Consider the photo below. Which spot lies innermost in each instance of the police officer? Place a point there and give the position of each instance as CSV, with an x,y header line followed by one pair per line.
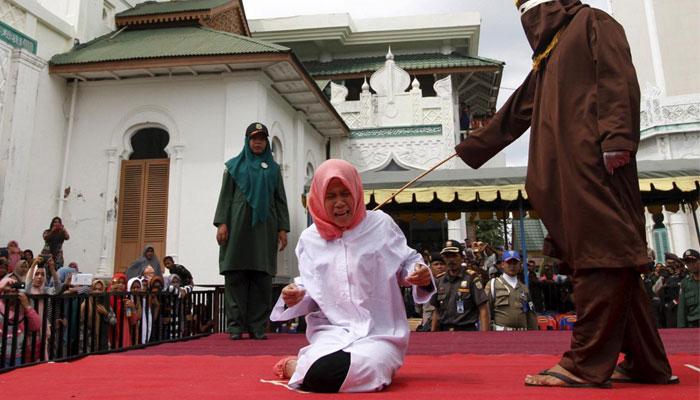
x,y
689,302
509,298
460,301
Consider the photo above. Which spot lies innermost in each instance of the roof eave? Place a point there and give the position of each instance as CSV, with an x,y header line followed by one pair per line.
x,y
339,128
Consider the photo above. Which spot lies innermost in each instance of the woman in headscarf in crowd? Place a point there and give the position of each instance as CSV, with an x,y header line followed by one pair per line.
x,y
36,285
124,310
100,317
151,330
14,255
21,270
54,238
352,264
15,323
137,295
148,257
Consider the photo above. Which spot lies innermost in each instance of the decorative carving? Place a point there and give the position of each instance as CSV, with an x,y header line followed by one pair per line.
x,y
657,110
338,93
12,15
390,80
5,56
443,87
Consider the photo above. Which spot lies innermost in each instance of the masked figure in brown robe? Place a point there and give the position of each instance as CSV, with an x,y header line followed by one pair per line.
x,y
581,101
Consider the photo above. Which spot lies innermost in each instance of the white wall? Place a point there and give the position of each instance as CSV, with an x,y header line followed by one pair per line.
x,y
206,118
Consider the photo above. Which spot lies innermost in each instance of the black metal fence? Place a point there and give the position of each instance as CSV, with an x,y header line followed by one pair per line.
x,y
64,327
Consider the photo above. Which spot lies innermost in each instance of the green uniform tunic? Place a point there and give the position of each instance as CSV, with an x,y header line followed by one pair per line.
x,y
689,303
252,248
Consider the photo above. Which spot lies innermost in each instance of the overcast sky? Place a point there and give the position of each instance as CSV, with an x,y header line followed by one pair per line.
x,y
502,37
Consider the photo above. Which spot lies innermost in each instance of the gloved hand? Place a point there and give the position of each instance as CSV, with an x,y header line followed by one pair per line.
x,y
615,159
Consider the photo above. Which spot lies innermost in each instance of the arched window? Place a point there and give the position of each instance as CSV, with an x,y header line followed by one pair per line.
x,y
149,143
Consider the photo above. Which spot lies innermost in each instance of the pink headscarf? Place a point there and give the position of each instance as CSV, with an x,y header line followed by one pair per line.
x,y
348,175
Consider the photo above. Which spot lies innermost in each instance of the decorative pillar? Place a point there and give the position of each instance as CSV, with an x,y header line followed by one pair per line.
x,y
174,201
106,264
679,232
19,85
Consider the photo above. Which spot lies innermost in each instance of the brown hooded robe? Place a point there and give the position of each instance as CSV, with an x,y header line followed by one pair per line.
x,y
581,101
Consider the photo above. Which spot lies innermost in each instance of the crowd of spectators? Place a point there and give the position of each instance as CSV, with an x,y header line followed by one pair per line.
x,y
673,288
49,309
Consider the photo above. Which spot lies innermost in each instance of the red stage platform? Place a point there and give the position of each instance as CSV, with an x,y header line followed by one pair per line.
x,y
445,365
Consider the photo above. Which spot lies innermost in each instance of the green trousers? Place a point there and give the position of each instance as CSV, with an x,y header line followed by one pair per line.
x,y
247,300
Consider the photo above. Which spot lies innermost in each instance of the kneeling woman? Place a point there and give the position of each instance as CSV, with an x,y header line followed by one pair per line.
x,y
351,263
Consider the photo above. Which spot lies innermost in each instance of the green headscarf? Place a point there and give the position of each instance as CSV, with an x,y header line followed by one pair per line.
x,y
258,184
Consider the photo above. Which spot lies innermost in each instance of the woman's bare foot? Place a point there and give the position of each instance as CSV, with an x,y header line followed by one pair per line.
x,y
284,369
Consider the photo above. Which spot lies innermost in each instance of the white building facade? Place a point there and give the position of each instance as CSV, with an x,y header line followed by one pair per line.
x,y
663,36
70,118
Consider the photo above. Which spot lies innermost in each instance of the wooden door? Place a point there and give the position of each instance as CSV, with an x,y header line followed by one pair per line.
x,y
142,210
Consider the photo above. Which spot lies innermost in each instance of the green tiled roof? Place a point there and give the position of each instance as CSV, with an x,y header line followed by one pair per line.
x,y
154,7
405,61
535,233
164,42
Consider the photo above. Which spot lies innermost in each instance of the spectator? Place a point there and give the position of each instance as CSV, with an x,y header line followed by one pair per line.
x,y
3,267
148,258
494,273
437,265
177,269
124,310
28,255
54,238
21,270
670,291
14,255
689,303
154,305
489,257
509,298
148,273
135,286
100,317
15,322
460,301
64,271
465,117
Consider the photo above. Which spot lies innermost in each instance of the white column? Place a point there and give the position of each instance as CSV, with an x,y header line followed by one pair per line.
x,y
175,201
655,46
109,228
19,83
457,230
679,229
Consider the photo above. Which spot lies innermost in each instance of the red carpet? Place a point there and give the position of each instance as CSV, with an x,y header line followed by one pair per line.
x,y
209,369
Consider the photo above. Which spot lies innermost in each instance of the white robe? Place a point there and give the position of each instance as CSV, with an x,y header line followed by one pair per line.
x,y
353,301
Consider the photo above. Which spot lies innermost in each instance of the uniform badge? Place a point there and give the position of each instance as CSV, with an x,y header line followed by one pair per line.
x,y
463,284
264,165
258,126
478,285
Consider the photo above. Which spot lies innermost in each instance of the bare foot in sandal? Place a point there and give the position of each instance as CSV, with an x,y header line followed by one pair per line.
x,y
559,377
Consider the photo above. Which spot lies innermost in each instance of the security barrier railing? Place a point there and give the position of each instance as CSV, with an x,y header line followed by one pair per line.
x,y
68,326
